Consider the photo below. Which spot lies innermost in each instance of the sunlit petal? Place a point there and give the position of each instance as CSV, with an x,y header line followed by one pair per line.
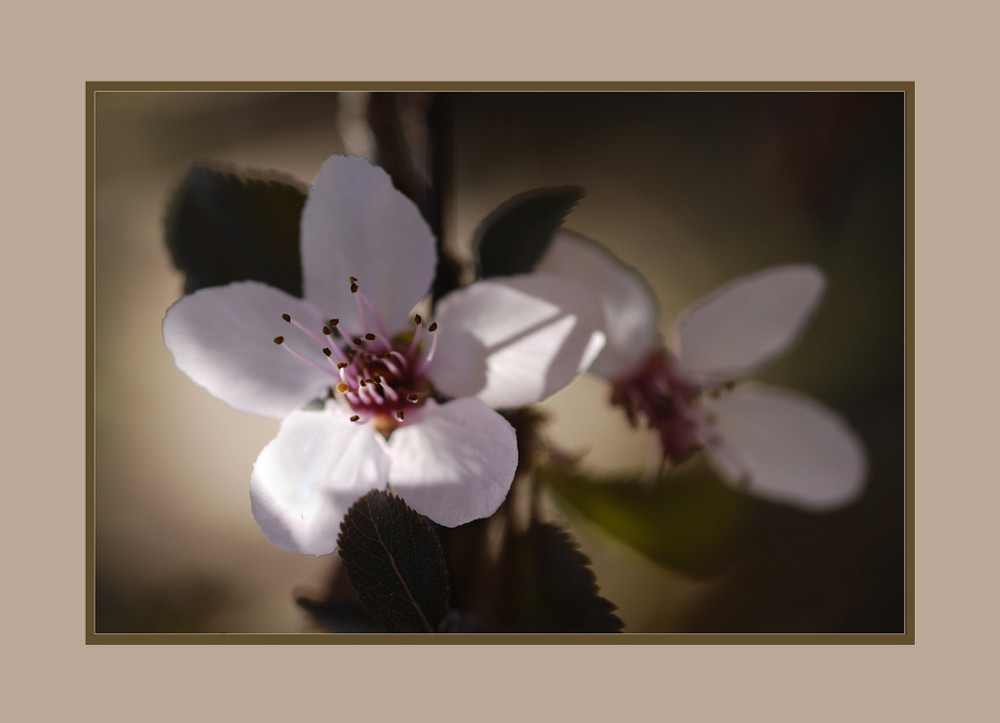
x,y
223,338
453,462
305,479
534,333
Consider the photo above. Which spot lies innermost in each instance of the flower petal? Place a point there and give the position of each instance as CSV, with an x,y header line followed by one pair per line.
x,y
630,310
516,340
222,337
308,476
748,321
454,462
355,223
786,447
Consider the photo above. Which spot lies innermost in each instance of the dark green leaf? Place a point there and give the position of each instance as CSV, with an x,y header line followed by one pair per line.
x,y
395,563
513,237
225,226
541,583
688,520
553,588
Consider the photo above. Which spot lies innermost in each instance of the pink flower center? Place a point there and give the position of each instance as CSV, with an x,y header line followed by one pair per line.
x,y
378,376
669,402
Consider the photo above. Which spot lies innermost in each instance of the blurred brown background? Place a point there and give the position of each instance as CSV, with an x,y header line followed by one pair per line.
x,y
693,188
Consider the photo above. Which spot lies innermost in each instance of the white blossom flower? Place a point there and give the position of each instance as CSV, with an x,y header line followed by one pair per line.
x,y
368,258
772,442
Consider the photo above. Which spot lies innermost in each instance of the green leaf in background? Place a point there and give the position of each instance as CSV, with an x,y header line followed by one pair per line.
x,y
395,563
513,237
223,226
687,520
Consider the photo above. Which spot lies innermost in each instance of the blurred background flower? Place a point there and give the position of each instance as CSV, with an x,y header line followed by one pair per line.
x,y
694,189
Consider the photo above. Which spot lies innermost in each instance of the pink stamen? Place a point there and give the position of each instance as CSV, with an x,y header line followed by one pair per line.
x,y
333,362
393,369
416,335
430,354
368,394
378,317
303,357
302,327
389,392
402,360
358,296
335,345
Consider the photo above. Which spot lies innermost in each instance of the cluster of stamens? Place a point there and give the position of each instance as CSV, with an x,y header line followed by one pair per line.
x,y
668,402
377,375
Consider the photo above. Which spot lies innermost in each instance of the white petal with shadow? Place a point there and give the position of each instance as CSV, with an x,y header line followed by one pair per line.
x,y
453,462
516,340
307,477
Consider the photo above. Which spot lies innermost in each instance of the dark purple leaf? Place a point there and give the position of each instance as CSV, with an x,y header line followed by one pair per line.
x,y
395,563
513,238
223,226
